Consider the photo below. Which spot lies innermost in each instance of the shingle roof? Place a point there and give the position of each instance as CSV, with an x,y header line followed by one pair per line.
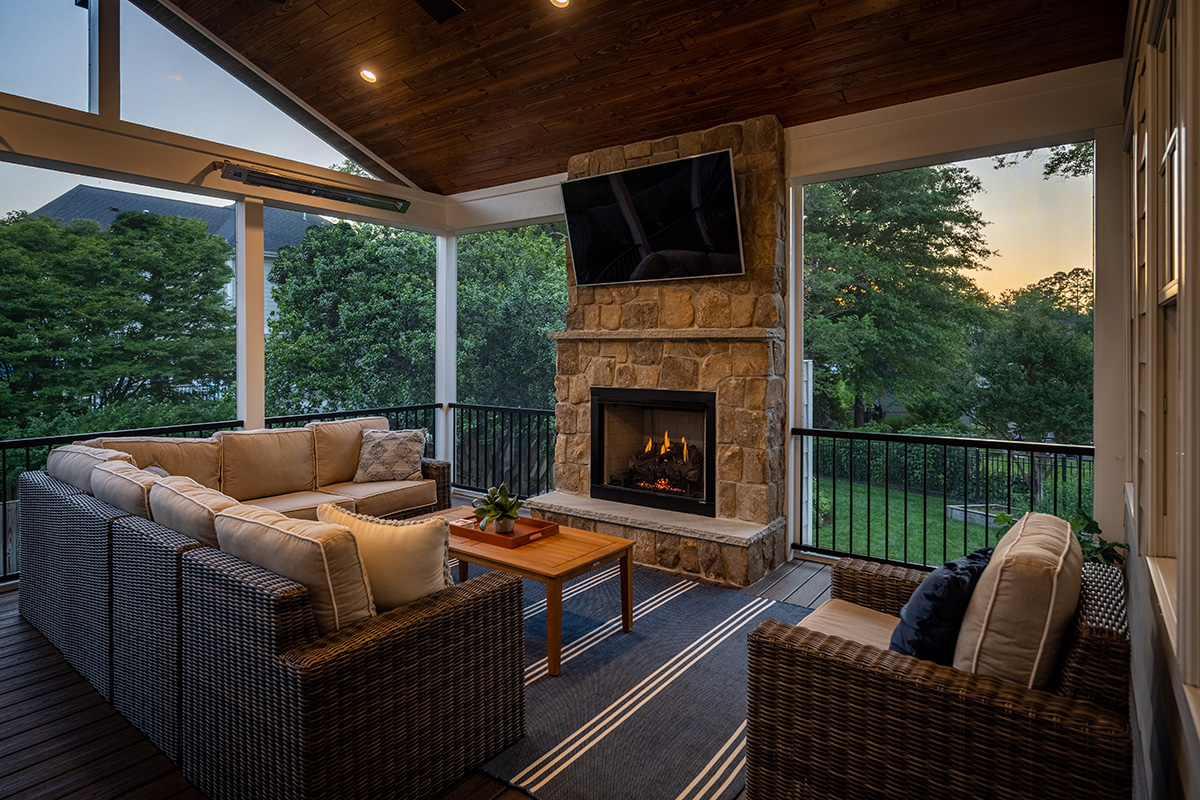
x,y
280,228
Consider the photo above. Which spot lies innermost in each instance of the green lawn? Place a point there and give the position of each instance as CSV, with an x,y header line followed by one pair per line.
x,y
931,537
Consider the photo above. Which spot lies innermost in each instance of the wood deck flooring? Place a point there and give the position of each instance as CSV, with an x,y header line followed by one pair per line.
x,y
60,739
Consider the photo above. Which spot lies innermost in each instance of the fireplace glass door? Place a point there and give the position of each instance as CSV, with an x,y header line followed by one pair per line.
x,y
654,448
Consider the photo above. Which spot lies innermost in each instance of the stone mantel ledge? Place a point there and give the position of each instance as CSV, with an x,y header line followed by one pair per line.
x,y
732,334
723,531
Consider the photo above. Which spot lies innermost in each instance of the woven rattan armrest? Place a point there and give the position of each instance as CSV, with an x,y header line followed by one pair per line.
x,y
831,718
438,471
881,587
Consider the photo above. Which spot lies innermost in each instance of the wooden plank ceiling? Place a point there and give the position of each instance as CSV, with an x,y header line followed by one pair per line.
x,y
510,89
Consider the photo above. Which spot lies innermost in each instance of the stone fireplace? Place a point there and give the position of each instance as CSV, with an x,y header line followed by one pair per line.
x,y
723,337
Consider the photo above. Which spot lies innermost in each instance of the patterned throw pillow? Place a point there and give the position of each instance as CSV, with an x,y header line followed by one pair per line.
x,y
390,456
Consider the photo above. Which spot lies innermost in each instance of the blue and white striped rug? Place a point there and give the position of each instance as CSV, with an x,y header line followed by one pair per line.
x,y
655,714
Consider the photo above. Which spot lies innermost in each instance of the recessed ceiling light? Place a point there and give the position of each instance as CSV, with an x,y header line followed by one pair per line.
x,y
560,3
368,76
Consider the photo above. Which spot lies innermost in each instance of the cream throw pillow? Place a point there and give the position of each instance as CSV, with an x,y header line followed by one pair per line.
x,y
404,560
1023,605
324,558
390,456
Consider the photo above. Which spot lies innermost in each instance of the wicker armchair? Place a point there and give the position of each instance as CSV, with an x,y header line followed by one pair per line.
x,y
832,718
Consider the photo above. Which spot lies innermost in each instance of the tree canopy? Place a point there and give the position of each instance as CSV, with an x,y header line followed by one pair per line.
x,y
888,306
134,315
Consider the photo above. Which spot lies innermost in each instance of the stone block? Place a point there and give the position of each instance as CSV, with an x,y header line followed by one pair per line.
x,y
577,166
576,319
726,423
680,373
604,295
565,418
625,376
560,447
610,159
591,318
587,350
638,150
600,372
624,294
664,156
665,144
729,463
754,466
727,499
585,295
615,350
643,546
689,556
723,137
752,502
750,358
758,553
736,564
610,318
755,398
648,376
691,144
733,393
711,565
676,309
645,351
638,316
713,370
666,550
776,392
697,348
750,429
712,309
580,390
579,450
762,135
562,388
566,478
741,310
568,358
768,311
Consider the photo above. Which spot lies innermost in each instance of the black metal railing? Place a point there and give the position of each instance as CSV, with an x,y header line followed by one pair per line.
x,y
399,418
20,455
923,500
494,444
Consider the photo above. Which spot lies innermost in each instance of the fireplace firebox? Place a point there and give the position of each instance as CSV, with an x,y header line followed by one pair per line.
x,y
655,448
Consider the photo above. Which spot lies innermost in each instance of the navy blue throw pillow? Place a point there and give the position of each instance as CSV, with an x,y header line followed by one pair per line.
x,y
930,620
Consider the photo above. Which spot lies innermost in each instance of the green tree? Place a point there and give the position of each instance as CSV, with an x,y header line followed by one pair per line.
x,y
512,291
1065,160
888,308
132,316
1034,361
355,321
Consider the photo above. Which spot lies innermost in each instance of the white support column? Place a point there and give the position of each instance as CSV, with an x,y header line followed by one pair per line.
x,y
104,59
799,487
251,314
1111,374
446,387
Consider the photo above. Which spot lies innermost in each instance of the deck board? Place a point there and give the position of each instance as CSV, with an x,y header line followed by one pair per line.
x,y
59,739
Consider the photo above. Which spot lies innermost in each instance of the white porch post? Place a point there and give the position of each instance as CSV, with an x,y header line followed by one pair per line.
x,y
251,315
104,59
799,488
446,386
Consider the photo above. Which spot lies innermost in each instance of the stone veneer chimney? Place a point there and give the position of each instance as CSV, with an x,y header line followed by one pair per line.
x,y
725,335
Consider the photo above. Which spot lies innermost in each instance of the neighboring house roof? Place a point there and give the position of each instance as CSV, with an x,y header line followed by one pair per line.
x,y
280,228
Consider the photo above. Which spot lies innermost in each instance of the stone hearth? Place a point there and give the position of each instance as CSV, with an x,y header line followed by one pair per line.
x,y
721,334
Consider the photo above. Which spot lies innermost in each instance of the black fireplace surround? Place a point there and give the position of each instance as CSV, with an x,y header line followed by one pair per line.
x,y
655,448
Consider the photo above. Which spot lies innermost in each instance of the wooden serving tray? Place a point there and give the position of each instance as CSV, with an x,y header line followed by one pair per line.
x,y
525,531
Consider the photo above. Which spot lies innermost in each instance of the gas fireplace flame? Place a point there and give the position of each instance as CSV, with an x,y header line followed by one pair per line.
x,y
665,447
684,440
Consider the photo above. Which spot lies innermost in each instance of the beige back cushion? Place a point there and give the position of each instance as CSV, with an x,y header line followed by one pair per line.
x,y
1023,605
123,485
199,459
324,558
336,445
183,505
265,463
404,560
73,463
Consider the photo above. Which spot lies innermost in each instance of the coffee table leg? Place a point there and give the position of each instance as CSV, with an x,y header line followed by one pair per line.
x,y
462,569
554,626
627,591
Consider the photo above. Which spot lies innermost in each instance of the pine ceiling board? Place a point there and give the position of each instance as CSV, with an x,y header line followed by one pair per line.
x,y
514,89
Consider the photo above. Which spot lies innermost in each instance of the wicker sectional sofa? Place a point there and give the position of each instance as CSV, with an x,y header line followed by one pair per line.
x,y
219,662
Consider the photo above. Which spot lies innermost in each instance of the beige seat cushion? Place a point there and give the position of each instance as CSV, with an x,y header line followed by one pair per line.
x,y
385,498
73,463
125,486
852,621
199,459
404,560
265,463
323,558
301,505
1024,603
183,505
390,456
336,446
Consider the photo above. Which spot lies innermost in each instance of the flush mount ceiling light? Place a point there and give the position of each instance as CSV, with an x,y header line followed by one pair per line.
x,y
560,3
368,76
253,176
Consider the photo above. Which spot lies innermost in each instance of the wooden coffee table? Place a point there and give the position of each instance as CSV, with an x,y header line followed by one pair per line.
x,y
552,561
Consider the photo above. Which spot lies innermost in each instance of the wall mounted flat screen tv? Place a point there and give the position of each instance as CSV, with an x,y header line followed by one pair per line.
x,y
678,219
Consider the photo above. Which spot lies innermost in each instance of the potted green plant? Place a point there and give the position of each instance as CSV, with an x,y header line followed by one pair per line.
x,y
498,507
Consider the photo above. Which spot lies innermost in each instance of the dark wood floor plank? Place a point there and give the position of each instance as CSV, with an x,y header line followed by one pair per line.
x,y
812,589
476,786
31,644
34,705
12,683
43,734
65,707
40,661
171,786
69,777
801,571
61,745
131,776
